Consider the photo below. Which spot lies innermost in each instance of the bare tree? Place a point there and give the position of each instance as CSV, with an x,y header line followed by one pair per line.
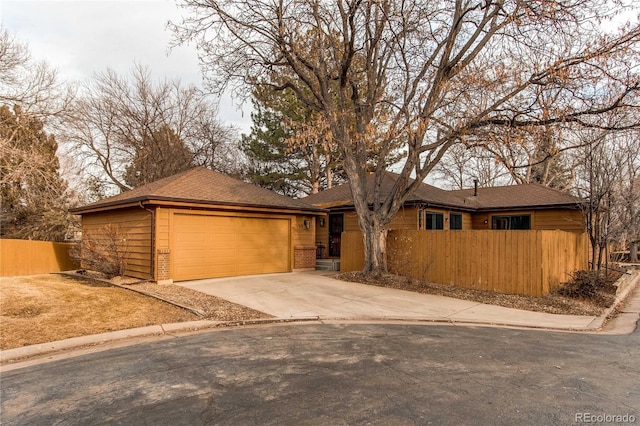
x,y
32,85
463,165
423,75
627,191
314,140
125,128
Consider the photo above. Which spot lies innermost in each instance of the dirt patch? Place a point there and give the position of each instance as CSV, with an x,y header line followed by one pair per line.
x,y
45,308
551,303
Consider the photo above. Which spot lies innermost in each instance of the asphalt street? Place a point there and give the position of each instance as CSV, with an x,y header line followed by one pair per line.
x,y
333,374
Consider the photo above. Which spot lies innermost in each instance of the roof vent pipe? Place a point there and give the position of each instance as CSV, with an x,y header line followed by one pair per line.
x,y
475,187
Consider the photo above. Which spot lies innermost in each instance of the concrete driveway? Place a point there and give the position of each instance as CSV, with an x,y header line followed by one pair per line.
x,y
314,294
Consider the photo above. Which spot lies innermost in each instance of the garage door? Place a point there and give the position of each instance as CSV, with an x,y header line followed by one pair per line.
x,y
221,246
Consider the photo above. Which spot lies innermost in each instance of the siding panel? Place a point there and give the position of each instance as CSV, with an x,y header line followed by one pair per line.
x,y
135,224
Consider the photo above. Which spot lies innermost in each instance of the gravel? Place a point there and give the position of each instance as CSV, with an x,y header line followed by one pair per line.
x,y
212,307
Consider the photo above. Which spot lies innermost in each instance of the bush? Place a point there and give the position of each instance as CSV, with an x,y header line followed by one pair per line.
x,y
596,286
103,250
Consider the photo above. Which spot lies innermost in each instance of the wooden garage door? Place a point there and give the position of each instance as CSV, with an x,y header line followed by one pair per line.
x,y
221,246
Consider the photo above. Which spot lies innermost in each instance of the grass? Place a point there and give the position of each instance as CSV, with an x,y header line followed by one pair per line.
x,y
45,308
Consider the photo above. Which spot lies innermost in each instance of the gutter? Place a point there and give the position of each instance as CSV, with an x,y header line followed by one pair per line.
x,y
153,239
134,201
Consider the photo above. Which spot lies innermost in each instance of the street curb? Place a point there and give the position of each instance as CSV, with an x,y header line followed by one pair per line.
x,y
163,329
626,284
74,342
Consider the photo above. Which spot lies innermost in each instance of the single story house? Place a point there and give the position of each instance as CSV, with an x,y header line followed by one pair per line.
x,y
203,224
531,206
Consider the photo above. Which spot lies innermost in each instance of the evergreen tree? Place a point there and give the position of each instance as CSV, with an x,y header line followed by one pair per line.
x,y
289,150
269,164
159,154
33,194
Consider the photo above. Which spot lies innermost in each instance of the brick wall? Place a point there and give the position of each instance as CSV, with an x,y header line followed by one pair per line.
x,y
163,269
304,257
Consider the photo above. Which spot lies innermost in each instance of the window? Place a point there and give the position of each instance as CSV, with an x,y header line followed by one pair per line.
x,y
455,221
434,220
511,222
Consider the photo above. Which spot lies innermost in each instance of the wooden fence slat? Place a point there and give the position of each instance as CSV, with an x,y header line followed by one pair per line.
x,y
518,262
24,257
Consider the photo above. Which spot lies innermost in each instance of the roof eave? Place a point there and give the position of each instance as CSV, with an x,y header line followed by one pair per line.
x,y
159,200
571,206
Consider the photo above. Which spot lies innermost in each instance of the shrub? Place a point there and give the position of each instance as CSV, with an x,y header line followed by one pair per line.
x,y
103,250
596,286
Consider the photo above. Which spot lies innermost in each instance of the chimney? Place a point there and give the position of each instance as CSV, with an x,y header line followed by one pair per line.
x,y
475,187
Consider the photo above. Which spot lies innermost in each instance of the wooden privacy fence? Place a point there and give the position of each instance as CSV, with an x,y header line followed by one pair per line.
x,y
517,262
23,257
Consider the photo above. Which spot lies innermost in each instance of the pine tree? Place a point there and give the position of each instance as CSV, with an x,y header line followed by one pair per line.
x,y
289,150
33,193
158,154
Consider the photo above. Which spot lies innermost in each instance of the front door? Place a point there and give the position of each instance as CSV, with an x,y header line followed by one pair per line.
x,y
336,226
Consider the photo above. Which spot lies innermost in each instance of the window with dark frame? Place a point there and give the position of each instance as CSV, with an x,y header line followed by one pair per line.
x,y
434,220
512,222
455,221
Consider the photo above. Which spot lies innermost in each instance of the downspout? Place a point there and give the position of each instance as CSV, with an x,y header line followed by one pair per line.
x,y
153,240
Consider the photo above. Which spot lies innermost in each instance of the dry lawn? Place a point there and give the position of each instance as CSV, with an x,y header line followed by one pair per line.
x,y
45,308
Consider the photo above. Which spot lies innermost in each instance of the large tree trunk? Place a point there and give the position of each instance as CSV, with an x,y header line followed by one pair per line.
x,y
373,220
375,246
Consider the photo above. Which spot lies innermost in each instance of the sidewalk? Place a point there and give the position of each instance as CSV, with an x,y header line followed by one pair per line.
x,y
443,310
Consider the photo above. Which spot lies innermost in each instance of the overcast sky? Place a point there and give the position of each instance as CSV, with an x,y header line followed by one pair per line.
x,y
84,36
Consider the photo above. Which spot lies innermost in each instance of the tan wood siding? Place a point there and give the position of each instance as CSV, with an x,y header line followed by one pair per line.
x,y
467,224
135,224
351,221
406,218
480,221
162,227
563,219
207,246
322,234
301,236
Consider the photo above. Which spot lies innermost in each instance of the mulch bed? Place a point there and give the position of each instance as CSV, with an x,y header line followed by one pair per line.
x,y
551,303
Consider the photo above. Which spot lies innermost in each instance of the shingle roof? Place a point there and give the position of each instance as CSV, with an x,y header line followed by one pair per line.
x,y
203,186
526,195
500,197
341,195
